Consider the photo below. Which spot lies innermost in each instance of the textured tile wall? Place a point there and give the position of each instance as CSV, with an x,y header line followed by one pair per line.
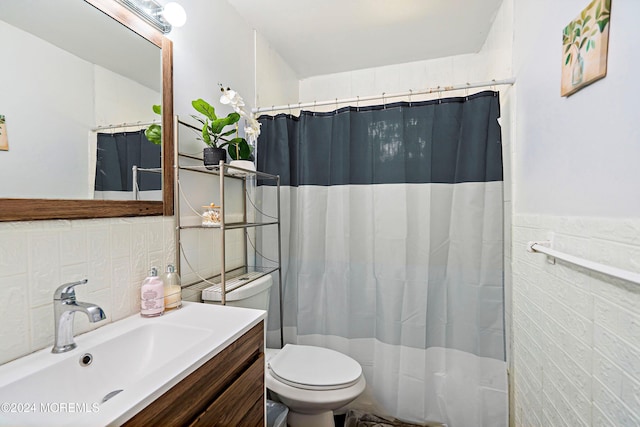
x,y
36,257
576,334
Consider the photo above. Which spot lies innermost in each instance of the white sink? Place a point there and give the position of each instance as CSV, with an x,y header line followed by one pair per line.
x,y
133,361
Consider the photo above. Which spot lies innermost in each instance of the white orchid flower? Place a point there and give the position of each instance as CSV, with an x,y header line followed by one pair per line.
x,y
231,97
252,126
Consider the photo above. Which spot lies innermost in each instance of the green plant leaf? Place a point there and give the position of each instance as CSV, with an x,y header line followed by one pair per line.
x,y
566,62
593,44
205,133
568,48
598,10
154,134
583,42
227,133
587,19
203,107
157,109
239,149
219,124
603,23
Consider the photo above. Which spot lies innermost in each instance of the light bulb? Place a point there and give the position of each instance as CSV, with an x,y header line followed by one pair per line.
x,y
174,14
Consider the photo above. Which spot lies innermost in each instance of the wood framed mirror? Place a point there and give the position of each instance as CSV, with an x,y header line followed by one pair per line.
x,y
28,209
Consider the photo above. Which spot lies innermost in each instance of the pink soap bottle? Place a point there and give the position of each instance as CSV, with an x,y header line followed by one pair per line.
x,y
152,295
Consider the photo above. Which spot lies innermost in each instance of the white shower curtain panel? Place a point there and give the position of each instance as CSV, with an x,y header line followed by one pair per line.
x,y
413,265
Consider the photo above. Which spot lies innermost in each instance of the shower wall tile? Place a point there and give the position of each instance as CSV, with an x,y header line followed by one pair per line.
x,y
37,257
576,334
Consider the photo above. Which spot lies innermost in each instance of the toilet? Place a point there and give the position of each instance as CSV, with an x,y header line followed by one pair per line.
x,y
312,381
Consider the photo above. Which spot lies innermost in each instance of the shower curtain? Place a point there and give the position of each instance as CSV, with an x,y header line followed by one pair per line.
x,y
392,249
117,153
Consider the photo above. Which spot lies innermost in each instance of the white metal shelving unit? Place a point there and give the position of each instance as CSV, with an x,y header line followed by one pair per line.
x,y
230,277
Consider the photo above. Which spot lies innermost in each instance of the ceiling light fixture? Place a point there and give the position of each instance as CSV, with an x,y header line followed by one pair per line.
x,y
174,14
161,18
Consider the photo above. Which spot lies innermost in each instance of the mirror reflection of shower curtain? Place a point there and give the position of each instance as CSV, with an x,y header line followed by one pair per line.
x,y
117,153
392,251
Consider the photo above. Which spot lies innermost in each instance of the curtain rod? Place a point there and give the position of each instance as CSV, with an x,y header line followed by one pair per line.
x,y
544,247
384,96
125,125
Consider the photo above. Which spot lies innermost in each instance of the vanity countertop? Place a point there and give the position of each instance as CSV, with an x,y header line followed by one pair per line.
x,y
143,357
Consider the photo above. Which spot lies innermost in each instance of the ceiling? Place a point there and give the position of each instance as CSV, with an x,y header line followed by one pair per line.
x,y
317,37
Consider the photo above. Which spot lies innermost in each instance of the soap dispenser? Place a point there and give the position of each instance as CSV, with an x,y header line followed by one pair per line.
x,y
152,295
172,289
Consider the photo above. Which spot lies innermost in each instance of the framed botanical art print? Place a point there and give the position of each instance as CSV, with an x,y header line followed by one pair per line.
x,y
585,42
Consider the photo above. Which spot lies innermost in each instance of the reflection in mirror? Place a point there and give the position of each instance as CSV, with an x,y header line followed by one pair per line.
x,y
77,95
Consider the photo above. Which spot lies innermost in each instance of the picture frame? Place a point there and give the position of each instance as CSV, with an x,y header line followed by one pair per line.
x,y
585,45
4,140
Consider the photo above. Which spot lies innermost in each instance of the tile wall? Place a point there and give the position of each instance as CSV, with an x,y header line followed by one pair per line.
x,y
36,257
576,335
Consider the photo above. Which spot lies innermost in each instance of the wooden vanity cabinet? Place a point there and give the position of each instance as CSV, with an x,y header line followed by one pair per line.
x,y
228,390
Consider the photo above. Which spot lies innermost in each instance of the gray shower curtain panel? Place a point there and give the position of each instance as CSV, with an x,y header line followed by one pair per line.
x,y
118,153
392,248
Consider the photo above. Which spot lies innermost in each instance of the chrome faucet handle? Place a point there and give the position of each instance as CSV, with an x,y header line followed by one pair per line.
x,y
66,291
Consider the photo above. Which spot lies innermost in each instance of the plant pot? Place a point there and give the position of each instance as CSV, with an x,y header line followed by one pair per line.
x,y
244,164
212,156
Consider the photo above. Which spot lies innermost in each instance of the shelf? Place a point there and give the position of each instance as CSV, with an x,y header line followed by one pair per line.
x,y
215,170
241,214
234,279
230,226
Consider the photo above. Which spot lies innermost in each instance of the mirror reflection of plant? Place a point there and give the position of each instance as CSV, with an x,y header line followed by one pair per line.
x,y
154,131
580,32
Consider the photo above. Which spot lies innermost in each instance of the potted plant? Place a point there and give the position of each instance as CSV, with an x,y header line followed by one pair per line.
x,y
213,131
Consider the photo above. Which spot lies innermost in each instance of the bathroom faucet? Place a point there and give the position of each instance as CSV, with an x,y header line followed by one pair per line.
x,y
64,309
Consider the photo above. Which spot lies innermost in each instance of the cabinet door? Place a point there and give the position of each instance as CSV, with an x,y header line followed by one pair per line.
x,y
242,404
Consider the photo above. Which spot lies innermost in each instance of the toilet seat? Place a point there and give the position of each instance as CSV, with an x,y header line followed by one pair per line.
x,y
314,368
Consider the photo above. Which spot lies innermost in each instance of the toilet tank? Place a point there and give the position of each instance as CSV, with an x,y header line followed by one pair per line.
x,y
254,294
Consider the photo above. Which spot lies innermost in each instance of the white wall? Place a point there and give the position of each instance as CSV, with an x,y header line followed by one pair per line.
x,y
576,346
277,83
576,155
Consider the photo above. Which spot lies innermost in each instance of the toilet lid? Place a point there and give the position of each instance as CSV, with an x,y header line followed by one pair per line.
x,y
314,368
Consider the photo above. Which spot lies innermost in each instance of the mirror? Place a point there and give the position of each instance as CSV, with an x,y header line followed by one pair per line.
x,y
55,121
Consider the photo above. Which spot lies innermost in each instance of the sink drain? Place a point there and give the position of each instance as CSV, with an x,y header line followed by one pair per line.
x,y
86,359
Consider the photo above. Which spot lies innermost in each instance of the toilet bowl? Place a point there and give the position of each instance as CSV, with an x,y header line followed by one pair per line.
x,y
312,381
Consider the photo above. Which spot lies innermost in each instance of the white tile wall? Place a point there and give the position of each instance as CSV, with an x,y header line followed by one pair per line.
x,y
37,257
576,334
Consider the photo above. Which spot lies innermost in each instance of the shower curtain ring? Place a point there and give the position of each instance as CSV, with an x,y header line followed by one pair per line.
x,y
358,103
289,106
410,93
314,107
384,102
336,105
